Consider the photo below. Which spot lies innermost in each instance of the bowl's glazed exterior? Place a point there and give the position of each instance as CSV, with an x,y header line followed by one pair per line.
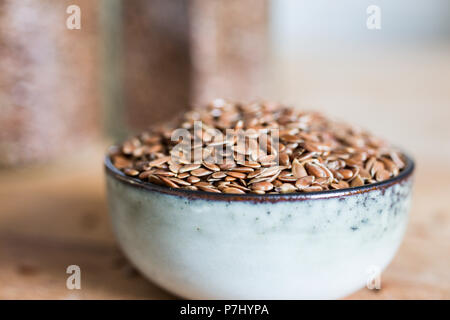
x,y
296,246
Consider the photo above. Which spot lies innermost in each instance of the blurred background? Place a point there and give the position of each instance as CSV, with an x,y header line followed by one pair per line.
x,y
66,94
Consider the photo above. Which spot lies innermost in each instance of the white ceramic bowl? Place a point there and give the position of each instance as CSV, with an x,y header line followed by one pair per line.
x,y
203,245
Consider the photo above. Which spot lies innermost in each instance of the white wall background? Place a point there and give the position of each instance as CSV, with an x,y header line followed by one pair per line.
x,y
394,81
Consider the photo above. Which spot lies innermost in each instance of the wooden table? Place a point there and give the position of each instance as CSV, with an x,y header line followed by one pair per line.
x,y
54,216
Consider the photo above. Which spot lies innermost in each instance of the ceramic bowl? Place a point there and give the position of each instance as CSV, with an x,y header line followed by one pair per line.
x,y
201,245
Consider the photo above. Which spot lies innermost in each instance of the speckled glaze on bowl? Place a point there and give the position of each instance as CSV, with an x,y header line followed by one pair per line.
x,y
203,245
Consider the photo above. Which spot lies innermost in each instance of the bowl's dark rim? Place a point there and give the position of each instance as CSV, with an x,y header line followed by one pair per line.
x,y
251,197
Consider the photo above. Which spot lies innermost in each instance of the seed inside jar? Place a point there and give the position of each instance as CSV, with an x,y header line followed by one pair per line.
x,y
257,148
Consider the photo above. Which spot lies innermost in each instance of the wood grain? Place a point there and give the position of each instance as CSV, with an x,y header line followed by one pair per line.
x,y
55,216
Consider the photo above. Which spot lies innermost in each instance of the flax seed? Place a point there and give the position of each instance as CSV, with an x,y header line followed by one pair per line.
x,y
312,189
189,167
175,167
158,162
131,172
264,186
162,172
169,182
236,174
304,182
193,179
357,182
286,188
298,170
183,175
180,182
315,170
211,166
382,175
312,153
346,173
200,172
232,190
144,174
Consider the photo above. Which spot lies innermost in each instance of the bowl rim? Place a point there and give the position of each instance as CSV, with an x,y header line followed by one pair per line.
x,y
405,174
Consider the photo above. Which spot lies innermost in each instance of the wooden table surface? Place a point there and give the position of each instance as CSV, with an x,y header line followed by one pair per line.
x,y
54,216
